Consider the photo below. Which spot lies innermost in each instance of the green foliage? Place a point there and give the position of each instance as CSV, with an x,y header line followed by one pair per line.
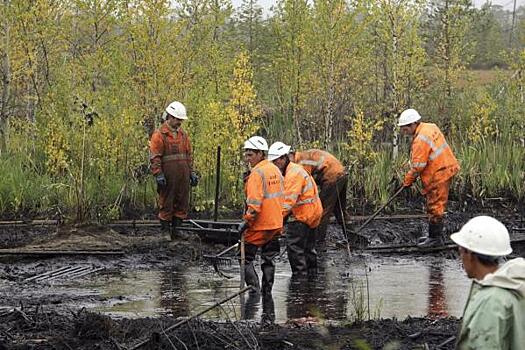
x,y
492,168
359,144
83,83
482,125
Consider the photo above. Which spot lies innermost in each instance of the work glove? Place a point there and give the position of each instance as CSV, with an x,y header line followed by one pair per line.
x,y
408,180
194,179
161,180
243,226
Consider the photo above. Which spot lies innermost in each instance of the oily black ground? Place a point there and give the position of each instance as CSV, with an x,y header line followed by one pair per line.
x,y
40,322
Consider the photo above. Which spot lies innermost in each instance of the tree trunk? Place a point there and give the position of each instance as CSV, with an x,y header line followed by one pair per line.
x,y
329,117
6,84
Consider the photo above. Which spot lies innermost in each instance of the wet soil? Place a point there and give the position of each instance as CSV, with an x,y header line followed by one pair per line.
x,y
47,319
37,328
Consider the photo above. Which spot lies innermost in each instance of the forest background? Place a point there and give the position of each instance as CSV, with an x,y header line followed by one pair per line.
x,y
83,83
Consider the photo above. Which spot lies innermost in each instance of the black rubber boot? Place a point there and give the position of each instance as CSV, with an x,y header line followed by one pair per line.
x,y
268,271
251,278
434,237
268,311
165,225
310,253
268,252
295,244
175,233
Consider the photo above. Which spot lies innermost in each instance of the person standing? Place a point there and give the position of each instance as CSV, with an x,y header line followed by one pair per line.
x,y
171,163
332,179
494,316
433,161
302,210
262,219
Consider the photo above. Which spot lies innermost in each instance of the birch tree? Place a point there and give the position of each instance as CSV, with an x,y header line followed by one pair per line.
x,y
450,50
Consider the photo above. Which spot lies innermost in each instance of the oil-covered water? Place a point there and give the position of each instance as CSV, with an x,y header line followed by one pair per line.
x,y
365,287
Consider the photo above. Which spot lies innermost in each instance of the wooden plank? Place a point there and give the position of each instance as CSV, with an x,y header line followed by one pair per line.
x,y
412,249
59,252
29,223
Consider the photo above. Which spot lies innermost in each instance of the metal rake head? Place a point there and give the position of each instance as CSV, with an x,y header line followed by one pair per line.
x,y
218,260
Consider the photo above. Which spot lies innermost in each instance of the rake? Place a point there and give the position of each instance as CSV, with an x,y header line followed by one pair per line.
x,y
220,260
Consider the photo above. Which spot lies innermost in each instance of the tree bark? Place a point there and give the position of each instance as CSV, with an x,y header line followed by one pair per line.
x,y
6,83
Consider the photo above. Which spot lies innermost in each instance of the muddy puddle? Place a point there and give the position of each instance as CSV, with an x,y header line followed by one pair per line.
x,y
396,287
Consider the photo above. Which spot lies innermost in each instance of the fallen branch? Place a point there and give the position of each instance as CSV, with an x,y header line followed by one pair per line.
x,y
449,340
180,323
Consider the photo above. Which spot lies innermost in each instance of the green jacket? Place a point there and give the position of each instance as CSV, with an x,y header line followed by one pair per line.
x,y
494,316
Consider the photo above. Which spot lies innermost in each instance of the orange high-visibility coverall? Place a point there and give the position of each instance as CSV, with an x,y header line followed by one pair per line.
x,y
302,203
171,154
324,167
264,191
331,176
432,160
301,196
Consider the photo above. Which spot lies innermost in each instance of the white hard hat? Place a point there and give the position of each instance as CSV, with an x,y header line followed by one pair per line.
x,y
408,116
484,235
257,143
278,149
176,110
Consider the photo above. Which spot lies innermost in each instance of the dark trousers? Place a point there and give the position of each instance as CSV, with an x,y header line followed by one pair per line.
x,y
300,245
333,198
268,252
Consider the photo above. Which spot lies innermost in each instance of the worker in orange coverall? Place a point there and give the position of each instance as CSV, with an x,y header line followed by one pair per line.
x,y
172,165
433,161
263,220
302,210
332,179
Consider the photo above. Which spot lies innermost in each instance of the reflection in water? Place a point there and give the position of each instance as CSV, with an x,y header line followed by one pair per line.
x,y
318,295
399,286
437,302
298,301
174,293
251,305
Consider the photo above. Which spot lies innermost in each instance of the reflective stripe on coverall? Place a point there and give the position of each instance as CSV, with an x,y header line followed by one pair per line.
x,y
494,316
264,200
301,196
324,167
331,176
302,202
432,159
172,156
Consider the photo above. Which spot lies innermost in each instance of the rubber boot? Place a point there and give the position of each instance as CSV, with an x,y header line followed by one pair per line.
x,y
269,251
164,225
295,244
434,237
251,278
175,233
268,311
268,271
311,254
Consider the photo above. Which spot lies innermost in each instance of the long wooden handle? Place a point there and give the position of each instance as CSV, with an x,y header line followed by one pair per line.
x,y
380,209
227,250
243,260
